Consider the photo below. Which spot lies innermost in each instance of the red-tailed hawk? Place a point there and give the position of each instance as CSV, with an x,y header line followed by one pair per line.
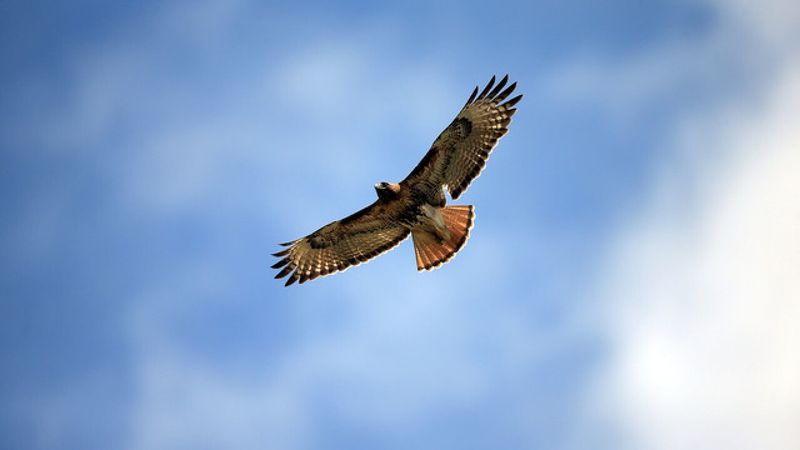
x,y
416,205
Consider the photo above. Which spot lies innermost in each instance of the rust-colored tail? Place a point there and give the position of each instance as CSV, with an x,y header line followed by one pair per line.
x,y
430,252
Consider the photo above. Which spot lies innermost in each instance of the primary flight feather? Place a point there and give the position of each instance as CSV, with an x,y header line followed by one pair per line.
x,y
416,205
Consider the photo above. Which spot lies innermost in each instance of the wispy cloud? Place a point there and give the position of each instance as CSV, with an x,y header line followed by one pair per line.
x,y
701,292
190,139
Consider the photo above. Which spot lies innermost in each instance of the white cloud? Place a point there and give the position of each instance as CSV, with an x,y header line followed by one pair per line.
x,y
740,49
703,289
773,23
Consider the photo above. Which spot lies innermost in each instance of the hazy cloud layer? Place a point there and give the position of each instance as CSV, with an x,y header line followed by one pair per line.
x,y
630,282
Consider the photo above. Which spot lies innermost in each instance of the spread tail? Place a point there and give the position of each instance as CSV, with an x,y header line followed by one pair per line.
x,y
430,252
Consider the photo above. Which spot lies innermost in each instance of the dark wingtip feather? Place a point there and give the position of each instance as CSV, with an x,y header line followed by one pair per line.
x,y
472,97
286,244
284,272
513,101
502,96
281,253
280,263
487,88
291,280
499,86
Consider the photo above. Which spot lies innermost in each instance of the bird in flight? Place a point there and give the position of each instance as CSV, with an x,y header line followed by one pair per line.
x,y
416,205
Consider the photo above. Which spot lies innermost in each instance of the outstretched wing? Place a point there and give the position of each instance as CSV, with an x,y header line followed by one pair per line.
x,y
341,244
459,154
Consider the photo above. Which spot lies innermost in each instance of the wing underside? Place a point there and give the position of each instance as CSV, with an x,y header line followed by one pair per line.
x,y
339,246
460,152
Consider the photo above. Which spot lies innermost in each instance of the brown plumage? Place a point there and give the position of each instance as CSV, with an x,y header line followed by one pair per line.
x,y
430,252
416,205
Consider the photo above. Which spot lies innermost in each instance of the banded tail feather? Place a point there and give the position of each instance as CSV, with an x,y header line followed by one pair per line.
x,y
430,252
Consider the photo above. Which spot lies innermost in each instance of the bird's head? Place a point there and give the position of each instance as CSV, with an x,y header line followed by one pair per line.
x,y
387,191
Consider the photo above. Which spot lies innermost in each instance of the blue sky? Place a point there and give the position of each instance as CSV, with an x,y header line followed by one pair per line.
x,y
631,280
